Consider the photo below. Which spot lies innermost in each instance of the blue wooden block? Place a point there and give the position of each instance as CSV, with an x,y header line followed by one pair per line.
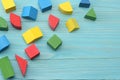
x,y
29,12
4,43
84,3
44,5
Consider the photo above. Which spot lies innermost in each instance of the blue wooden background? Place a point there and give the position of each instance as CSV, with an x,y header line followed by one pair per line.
x,y
92,52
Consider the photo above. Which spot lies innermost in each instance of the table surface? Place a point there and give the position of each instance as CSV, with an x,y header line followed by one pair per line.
x,y
92,52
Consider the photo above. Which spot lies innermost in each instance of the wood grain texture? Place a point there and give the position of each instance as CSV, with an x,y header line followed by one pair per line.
x,y
92,52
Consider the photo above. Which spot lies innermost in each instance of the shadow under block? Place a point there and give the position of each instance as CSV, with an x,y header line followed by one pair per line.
x,y
54,42
45,5
66,8
32,34
4,43
29,12
84,3
53,21
3,24
91,15
8,5
22,64
72,25
32,51
6,68
15,21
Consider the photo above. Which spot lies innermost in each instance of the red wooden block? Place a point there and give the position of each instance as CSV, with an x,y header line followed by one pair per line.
x,y
53,21
15,21
32,51
22,64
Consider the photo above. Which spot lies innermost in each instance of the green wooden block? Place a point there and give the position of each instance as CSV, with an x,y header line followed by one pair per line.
x,y
54,42
91,15
3,24
6,68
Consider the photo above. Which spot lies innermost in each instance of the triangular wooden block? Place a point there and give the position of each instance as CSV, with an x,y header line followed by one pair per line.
x,y
3,24
53,21
84,3
91,14
15,21
22,64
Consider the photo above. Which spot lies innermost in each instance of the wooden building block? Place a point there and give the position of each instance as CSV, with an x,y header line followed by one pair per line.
x,y
32,34
4,43
54,42
45,5
15,21
3,24
29,12
32,51
22,64
84,3
66,8
72,24
6,68
91,15
8,5
53,21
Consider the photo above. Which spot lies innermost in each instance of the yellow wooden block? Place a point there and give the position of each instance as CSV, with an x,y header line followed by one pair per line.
x,y
8,5
66,8
72,24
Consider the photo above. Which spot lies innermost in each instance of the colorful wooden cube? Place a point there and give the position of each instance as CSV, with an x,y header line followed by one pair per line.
x,y
4,43
32,51
3,24
72,24
32,34
45,5
91,15
53,21
8,5
6,68
29,12
66,8
84,3
54,42
22,64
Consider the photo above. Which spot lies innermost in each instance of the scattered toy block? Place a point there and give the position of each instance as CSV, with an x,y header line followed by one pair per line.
x,y
32,51
3,24
8,5
32,34
6,68
53,21
45,5
22,64
72,24
91,15
4,43
29,12
66,8
84,3
15,21
54,42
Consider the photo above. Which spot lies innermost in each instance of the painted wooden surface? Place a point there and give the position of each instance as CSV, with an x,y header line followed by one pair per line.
x,y
92,52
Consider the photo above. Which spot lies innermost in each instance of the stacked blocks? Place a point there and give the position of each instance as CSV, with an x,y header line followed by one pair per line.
x,y
4,43
32,51
6,68
84,3
54,42
72,25
91,15
3,24
8,5
53,21
29,12
32,34
45,5
66,8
